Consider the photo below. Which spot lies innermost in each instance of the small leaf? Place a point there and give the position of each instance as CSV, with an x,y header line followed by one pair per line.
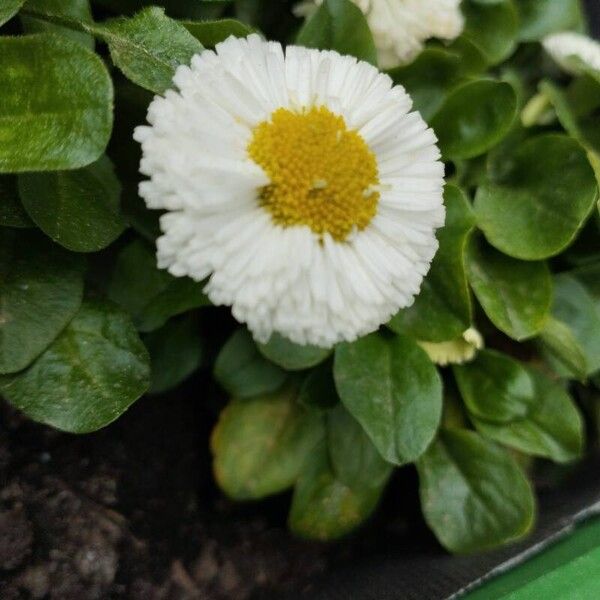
x,y
537,207
393,390
339,25
76,9
260,444
354,459
552,428
176,350
150,295
8,9
475,116
474,496
41,287
429,78
515,295
242,370
442,310
210,33
538,18
12,213
317,391
78,209
495,387
492,27
290,356
56,111
88,377
324,508
148,47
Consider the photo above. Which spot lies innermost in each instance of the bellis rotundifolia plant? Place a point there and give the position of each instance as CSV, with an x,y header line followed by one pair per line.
x,y
376,225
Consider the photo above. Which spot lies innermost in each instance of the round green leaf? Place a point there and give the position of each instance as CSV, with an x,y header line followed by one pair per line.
x,y
148,47
260,444
290,356
538,18
553,427
538,206
78,209
561,348
88,377
210,33
150,295
475,116
429,78
474,496
176,350
354,459
323,507
41,287
243,371
8,9
56,111
442,310
339,25
492,27
393,390
515,295
495,387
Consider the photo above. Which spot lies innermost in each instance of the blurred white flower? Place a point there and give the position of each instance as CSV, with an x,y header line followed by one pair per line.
x,y
300,182
400,27
574,52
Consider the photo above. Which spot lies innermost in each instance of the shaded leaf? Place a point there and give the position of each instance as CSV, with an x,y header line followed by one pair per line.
x,y
290,356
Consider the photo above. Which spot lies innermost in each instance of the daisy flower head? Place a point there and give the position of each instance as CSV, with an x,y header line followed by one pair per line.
x,y
400,27
300,183
455,352
573,52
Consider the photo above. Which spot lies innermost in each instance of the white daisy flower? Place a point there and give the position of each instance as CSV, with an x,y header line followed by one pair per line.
x,y
454,352
301,183
574,52
400,27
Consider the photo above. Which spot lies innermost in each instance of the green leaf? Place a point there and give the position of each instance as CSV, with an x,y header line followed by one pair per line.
x,y
148,47
41,288
88,377
8,9
442,310
515,295
495,387
474,496
560,346
242,370
492,27
210,33
78,209
323,507
76,9
176,350
575,307
12,213
260,444
538,18
290,356
429,78
393,390
317,390
537,207
339,25
56,111
354,459
150,295
475,116
552,428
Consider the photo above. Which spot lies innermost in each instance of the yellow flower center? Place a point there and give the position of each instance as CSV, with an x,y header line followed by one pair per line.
x,y
321,174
